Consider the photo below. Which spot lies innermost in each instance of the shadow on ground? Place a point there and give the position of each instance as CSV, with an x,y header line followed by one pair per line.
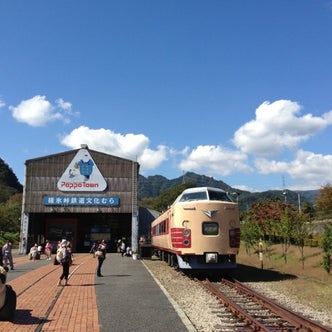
x,y
24,317
243,273
247,273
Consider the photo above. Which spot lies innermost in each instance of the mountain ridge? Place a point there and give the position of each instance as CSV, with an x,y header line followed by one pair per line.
x,y
153,186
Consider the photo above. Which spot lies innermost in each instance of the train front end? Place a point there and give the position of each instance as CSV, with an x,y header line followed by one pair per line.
x,y
205,232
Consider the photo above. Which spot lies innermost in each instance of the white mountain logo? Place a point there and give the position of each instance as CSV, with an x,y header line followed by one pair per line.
x,y
82,174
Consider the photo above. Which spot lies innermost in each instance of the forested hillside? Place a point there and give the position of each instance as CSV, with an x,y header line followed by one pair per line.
x,y
10,204
9,184
153,186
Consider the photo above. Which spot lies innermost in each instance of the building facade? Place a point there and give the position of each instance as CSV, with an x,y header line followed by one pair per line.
x,y
80,195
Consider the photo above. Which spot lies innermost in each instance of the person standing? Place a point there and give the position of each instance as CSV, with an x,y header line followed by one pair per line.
x,y
7,254
48,250
40,250
63,257
101,257
122,248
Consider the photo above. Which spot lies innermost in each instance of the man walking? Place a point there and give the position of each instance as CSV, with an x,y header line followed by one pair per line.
x,y
7,255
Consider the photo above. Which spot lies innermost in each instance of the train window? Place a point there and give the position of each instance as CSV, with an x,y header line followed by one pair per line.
x,y
210,228
218,196
193,196
161,228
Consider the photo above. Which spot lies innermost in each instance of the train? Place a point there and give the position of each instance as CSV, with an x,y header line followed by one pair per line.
x,y
200,231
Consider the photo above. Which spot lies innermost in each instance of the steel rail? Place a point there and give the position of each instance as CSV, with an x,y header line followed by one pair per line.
x,y
301,322
236,309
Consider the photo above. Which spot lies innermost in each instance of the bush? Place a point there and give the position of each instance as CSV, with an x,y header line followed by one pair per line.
x,y
326,245
12,237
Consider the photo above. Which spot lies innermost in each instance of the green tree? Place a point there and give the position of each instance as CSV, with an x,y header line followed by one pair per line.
x,y
324,202
268,213
10,213
147,202
326,245
308,210
277,218
284,230
165,199
301,233
251,233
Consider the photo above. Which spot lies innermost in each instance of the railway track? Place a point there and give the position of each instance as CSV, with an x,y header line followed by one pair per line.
x,y
252,311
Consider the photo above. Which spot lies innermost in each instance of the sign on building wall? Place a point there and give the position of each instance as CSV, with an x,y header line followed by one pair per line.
x,y
82,174
24,233
81,200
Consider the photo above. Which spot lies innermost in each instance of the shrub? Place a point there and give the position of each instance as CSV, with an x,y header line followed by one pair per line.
x,y
326,245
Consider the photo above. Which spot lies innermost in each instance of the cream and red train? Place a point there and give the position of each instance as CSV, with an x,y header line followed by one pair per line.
x,y
199,231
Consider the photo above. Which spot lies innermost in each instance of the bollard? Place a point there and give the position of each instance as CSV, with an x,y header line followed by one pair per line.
x,y
260,246
261,259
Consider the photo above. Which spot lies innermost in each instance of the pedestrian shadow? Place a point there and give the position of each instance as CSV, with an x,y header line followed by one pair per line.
x,y
87,285
24,317
121,275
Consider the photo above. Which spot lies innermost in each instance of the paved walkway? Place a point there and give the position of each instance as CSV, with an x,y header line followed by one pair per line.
x,y
126,298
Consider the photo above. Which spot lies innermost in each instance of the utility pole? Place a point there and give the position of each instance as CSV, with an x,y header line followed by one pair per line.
x,y
284,191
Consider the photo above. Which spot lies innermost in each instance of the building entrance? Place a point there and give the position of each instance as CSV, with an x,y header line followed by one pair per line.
x,y
62,228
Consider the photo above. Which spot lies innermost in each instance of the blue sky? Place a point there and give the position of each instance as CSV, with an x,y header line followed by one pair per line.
x,y
237,90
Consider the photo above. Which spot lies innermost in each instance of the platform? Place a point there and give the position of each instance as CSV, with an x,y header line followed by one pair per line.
x,y
126,298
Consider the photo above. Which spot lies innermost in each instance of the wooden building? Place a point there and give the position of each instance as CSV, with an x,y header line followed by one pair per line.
x,y
80,195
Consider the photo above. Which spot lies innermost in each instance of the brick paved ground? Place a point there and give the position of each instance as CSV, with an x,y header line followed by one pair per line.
x,y
75,308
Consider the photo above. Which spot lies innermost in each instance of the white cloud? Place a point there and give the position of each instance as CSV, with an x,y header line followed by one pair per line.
x,y
2,104
308,170
64,105
277,127
215,160
38,111
243,187
129,146
266,166
151,159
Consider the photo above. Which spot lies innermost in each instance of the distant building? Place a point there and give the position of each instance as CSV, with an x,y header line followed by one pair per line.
x,y
81,195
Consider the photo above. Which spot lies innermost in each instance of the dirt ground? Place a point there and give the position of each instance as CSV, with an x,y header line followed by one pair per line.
x,y
311,285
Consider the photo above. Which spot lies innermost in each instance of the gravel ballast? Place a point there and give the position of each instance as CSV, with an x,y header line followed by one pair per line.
x,y
201,308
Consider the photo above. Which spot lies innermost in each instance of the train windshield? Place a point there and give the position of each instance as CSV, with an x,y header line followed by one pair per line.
x,y
212,195
218,196
197,196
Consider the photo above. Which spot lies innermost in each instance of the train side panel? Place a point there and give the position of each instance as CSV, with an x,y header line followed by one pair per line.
x,y
160,231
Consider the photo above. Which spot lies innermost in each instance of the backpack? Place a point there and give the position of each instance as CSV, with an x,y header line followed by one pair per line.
x,y
59,255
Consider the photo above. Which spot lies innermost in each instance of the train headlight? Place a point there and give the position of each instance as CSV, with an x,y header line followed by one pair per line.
x,y
211,257
186,243
232,233
186,232
234,237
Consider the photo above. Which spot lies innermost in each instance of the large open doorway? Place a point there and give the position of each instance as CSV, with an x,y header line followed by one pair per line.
x,y
62,228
